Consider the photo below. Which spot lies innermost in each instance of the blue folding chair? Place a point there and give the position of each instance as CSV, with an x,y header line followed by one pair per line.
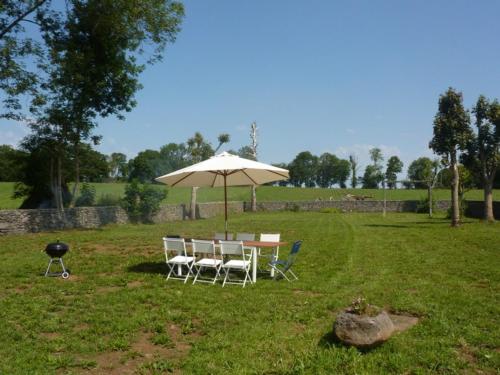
x,y
283,267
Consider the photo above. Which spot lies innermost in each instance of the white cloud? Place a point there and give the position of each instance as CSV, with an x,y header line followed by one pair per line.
x,y
351,131
10,137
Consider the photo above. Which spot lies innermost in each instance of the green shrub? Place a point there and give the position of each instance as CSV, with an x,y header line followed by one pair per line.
x,y
142,201
423,205
294,207
360,307
87,196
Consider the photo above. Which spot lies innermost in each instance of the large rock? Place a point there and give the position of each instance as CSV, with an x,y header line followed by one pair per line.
x,y
363,331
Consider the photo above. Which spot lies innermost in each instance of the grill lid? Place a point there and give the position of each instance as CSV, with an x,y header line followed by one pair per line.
x,y
56,249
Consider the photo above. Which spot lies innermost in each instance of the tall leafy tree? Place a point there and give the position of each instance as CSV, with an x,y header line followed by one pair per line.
x,y
373,175
342,171
145,167
88,66
394,166
11,161
117,163
303,169
419,172
327,164
174,156
452,133
484,149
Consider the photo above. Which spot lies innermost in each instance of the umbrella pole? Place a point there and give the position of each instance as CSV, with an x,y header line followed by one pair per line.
x,y
225,206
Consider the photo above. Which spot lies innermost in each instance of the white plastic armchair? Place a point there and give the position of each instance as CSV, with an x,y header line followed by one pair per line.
x,y
179,258
208,260
240,261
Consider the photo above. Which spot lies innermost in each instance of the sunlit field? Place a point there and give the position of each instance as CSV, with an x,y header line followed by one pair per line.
x,y
117,313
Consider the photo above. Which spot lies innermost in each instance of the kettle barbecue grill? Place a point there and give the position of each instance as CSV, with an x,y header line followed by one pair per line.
x,y
55,251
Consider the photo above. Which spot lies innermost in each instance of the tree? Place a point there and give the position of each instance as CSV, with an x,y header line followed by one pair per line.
x,y
484,148
94,165
303,169
376,156
342,170
11,163
222,138
244,152
373,175
423,174
145,167
452,133
87,65
173,156
353,160
418,171
117,165
394,166
326,175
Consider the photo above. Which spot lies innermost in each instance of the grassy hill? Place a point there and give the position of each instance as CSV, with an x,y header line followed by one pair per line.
x,y
264,193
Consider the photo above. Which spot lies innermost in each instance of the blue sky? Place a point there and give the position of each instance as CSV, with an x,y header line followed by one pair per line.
x,y
336,76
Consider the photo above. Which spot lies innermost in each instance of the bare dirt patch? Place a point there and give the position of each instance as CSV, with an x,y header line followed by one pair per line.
x,y
135,284
144,351
107,289
81,327
402,322
50,335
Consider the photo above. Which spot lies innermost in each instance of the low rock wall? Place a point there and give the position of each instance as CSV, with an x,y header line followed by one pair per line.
x,y
43,220
476,209
345,206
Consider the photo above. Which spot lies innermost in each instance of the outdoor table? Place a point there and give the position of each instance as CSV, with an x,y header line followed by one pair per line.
x,y
254,245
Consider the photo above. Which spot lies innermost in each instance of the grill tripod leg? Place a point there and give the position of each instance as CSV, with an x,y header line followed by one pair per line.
x,y
64,273
48,268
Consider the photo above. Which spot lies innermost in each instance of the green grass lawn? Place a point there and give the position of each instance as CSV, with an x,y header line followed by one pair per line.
x,y
117,312
264,193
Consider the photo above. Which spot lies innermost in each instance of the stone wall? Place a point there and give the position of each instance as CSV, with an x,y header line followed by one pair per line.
x,y
42,220
206,210
476,209
345,206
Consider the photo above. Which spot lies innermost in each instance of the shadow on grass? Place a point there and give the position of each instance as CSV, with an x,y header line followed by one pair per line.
x,y
149,267
386,226
330,340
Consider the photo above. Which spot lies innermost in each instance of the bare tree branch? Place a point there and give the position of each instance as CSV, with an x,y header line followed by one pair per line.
x,y
21,17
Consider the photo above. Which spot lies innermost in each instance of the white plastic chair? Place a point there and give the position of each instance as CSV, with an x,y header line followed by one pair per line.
x,y
206,248
245,236
222,236
178,247
270,237
235,249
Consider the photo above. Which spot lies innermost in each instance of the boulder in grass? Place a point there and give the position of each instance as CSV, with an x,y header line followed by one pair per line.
x,y
363,331
363,325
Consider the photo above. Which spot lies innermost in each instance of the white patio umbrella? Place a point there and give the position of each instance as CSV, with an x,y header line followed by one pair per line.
x,y
225,170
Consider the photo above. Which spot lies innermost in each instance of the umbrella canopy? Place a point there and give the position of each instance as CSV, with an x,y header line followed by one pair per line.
x,y
225,170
